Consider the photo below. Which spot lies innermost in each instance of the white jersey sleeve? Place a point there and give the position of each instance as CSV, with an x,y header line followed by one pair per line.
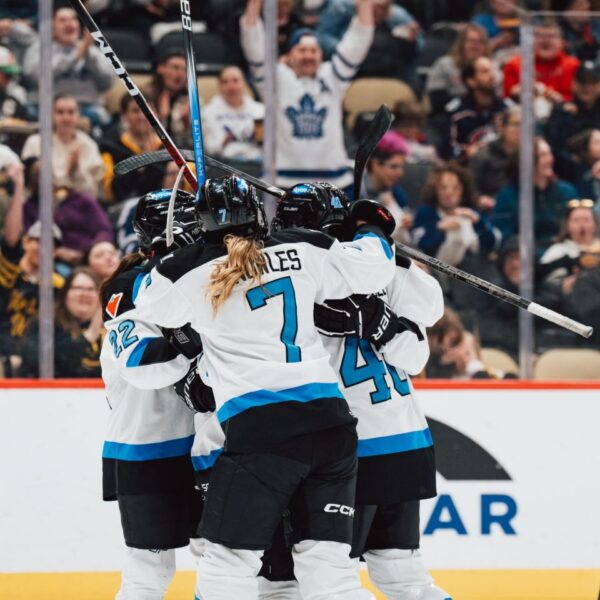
x,y
349,54
417,296
136,348
363,266
144,358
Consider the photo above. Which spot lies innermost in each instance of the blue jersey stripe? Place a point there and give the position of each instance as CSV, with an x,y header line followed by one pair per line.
x,y
153,451
391,444
386,246
137,284
202,463
135,358
302,393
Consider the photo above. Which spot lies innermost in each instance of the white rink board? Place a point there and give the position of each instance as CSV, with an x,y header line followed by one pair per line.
x,y
52,517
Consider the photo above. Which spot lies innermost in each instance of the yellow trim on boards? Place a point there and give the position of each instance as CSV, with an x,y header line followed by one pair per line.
x,y
463,585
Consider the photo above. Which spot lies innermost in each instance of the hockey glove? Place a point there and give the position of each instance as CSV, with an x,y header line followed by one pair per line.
x,y
367,317
185,340
195,393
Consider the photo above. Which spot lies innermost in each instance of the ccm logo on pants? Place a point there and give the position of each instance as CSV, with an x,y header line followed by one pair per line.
x,y
348,511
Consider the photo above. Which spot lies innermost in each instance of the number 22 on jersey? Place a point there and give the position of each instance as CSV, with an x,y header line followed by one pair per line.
x,y
259,296
125,329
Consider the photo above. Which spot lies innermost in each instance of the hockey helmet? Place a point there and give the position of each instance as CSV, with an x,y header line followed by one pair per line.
x,y
312,205
150,221
230,205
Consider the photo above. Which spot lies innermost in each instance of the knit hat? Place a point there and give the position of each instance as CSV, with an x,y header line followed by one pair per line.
x,y
297,36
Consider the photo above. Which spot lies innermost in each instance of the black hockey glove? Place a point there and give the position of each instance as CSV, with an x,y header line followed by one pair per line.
x,y
367,317
195,393
185,340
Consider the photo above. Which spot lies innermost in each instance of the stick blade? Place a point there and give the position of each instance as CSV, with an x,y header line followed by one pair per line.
x,y
378,127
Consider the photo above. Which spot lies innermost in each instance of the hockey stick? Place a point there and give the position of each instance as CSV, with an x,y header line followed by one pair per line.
x,y
133,91
137,161
142,160
192,82
378,127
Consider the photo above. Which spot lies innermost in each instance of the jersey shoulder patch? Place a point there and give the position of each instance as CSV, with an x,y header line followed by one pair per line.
x,y
119,295
298,235
112,306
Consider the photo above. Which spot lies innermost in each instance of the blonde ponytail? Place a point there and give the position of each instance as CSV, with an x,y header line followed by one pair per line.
x,y
245,260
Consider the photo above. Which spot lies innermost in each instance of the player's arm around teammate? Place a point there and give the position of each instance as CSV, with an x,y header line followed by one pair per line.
x,y
146,456
290,438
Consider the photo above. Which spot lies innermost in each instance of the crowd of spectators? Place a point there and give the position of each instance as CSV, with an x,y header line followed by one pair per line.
x,y
448,170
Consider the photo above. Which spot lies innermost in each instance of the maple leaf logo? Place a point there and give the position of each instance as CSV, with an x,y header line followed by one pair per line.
x,y
307,122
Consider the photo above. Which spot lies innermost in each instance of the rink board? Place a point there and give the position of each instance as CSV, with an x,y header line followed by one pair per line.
x,y
516,516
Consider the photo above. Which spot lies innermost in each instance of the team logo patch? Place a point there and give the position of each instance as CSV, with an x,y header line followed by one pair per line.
x,y
112,306
307,120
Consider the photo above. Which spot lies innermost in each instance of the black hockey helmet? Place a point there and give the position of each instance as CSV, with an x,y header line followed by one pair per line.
x,y
150,221
312,205
373,213
230,205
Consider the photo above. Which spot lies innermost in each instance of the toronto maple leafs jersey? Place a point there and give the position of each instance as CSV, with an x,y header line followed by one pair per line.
x,y
310,135
263,357
395,448
148,421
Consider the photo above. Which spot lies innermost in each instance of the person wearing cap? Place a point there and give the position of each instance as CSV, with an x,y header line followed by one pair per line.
x,y
19,274
78,66
384,170
12,95
310,134
580,114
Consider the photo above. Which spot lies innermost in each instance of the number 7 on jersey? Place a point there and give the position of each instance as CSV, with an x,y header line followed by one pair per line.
x,y
259,296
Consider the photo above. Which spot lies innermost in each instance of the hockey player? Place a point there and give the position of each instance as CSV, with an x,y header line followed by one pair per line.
x,y
374,359
310,135
146,456
290,438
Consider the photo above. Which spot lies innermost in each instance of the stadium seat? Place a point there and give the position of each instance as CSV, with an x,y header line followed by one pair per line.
x,y
211,51
568,364
132,48
112,98
498,359
369,93
208,86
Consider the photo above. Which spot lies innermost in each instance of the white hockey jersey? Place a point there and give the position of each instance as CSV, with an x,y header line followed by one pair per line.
x,y
391,425
223,122
148,421
310,135
263,357
209,441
